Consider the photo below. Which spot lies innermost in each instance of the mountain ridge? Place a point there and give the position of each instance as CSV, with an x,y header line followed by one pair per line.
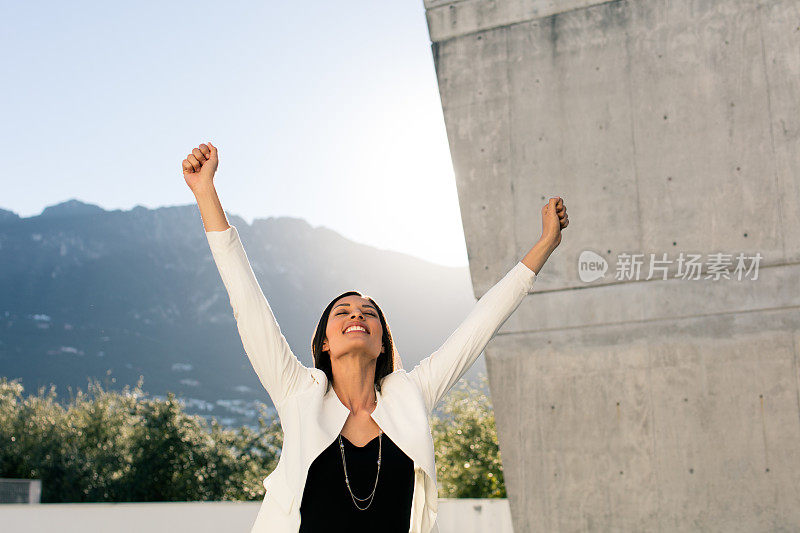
x,y
90,292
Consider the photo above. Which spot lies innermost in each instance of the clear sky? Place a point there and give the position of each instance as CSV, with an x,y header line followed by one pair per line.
x,y
328,111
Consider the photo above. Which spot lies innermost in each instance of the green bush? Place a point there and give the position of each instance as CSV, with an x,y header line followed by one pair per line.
x,y
468,463
123,447
106,446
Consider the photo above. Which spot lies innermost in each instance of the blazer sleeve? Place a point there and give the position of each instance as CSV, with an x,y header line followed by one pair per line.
x,y
277,368
436,374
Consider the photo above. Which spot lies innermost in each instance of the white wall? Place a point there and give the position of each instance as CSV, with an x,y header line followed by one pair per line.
x,y
461,516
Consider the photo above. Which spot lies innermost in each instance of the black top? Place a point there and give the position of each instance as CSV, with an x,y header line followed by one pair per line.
x,y
327,503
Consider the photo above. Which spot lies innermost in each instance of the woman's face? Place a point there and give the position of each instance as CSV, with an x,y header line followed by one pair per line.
x,y
353,327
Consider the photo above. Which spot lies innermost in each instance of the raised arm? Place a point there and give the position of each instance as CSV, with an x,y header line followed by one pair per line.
x,y
199,169
438,373
276,366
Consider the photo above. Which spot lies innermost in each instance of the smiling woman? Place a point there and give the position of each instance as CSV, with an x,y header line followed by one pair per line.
x,y
357,449
353,346
354,308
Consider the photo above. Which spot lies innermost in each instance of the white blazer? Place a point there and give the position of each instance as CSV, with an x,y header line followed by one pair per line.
x,y
311,419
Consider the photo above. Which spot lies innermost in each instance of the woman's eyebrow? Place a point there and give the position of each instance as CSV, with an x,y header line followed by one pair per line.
x,y
365,305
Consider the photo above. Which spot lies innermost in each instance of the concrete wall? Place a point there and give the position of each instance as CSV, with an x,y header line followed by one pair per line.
x,y
668,127
455,516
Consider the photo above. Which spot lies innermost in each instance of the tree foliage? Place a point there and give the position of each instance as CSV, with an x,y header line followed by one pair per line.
x,y
468,463
112,446
124,446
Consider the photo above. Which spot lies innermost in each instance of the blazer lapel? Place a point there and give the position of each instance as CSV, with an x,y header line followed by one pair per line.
x,y
401,415
333,414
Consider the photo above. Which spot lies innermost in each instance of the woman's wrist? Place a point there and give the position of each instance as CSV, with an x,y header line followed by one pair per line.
x,y
548,244
537,256
204,189
211,211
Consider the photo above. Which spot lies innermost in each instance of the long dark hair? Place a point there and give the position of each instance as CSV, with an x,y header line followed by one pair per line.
x,y
387,362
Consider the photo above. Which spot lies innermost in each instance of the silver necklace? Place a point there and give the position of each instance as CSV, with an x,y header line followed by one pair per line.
x,y
347,479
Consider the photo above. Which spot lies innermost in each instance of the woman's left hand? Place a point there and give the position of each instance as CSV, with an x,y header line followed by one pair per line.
x,y
554,219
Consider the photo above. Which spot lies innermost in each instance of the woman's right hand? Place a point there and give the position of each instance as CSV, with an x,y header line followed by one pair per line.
x,y
200,166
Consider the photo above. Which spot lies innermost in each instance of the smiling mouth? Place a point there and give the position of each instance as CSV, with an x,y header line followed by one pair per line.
x,y
355,327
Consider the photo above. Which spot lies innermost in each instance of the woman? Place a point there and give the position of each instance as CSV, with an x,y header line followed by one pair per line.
x,y
357,452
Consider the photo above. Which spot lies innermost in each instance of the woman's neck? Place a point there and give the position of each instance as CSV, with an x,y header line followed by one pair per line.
x,y
354,383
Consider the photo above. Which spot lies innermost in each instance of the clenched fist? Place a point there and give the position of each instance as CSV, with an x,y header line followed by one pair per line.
x,y
554,219
200,166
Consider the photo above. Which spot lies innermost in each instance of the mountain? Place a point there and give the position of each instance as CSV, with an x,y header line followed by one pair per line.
x,y
87,292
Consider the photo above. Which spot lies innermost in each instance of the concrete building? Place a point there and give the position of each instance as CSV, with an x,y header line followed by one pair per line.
x,y
663,400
